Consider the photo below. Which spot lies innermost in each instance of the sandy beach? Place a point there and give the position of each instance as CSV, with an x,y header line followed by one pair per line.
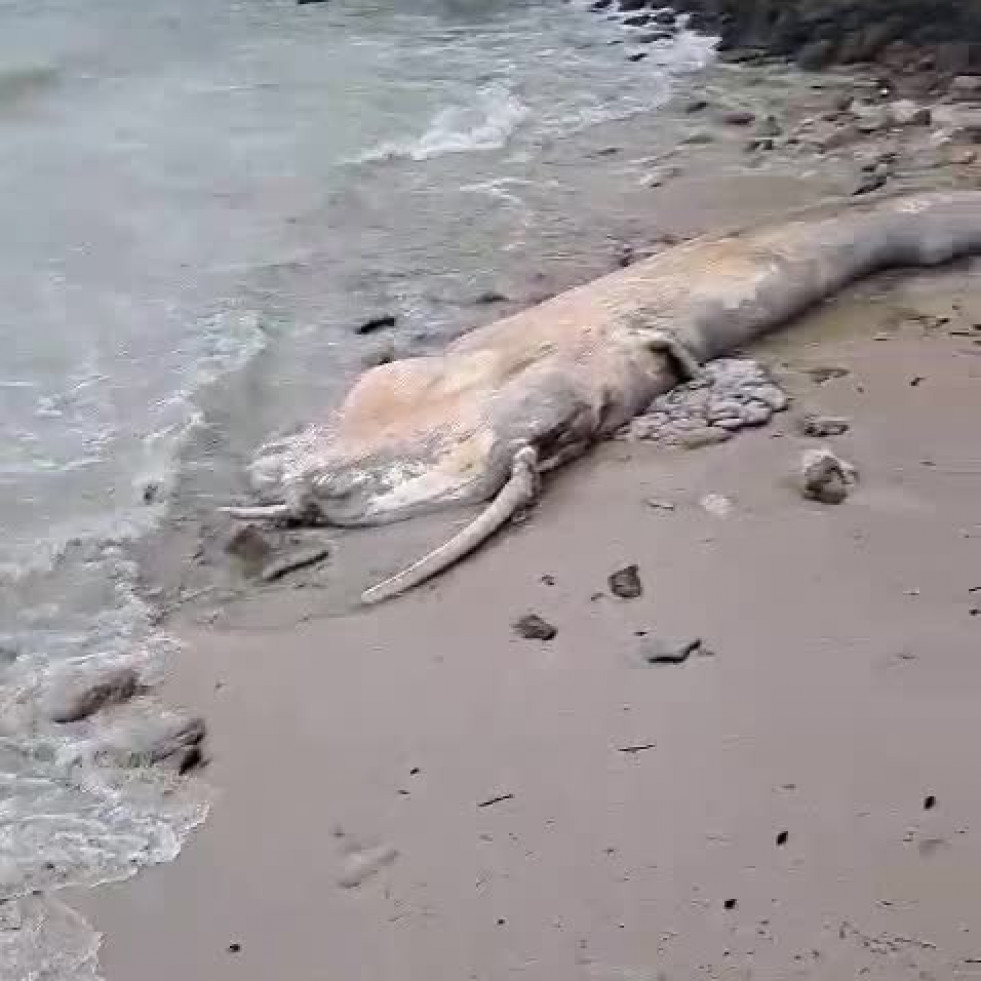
x,y
415,791
798,803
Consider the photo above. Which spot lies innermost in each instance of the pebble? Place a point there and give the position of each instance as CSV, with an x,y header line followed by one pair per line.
x,y
532,627
657,650
738,117
825,477
625,583
820,426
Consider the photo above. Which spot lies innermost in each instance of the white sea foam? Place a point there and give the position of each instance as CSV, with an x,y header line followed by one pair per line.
x,y
484,124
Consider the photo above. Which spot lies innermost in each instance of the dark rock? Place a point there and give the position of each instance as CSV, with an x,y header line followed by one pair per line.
x,y
649,37
494,296
372,324
730,904
782,838
600,4
666,18
656,650
151,492
821,426
298,559
825,477
532,627
929,802
77,697
626,583
629,6
637,20
144,741
695,105
825,373
637,56
738,117
816,55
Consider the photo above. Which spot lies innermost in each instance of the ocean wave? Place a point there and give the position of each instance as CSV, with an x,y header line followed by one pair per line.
x,y
485,124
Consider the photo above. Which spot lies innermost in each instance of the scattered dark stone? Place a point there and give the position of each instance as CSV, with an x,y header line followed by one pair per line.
x,y
782,837
532,627
738,117
375,323
759,144
548,579
299,559
868,183
193,759
929,802
250,545
415,771
236,948
491,801
637,20
730,904
600,4
825,373
637,748
665,18
637,56
76,698
916,381
821,426
695,105
501,921
151,492
494,296
649,37
625,583
974,611
629,6
655,650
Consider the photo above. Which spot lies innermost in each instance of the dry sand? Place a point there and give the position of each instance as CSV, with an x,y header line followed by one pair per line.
x,y
776,827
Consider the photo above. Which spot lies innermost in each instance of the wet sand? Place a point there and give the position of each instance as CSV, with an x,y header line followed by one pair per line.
x,y
800,803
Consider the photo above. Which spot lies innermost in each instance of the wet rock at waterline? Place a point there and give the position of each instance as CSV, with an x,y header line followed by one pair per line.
x,y
77,695
146,738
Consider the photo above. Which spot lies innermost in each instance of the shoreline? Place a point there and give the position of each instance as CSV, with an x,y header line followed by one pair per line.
x,y
257,721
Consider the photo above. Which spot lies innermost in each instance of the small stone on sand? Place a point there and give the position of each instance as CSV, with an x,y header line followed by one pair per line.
x,y
532,627
626,583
